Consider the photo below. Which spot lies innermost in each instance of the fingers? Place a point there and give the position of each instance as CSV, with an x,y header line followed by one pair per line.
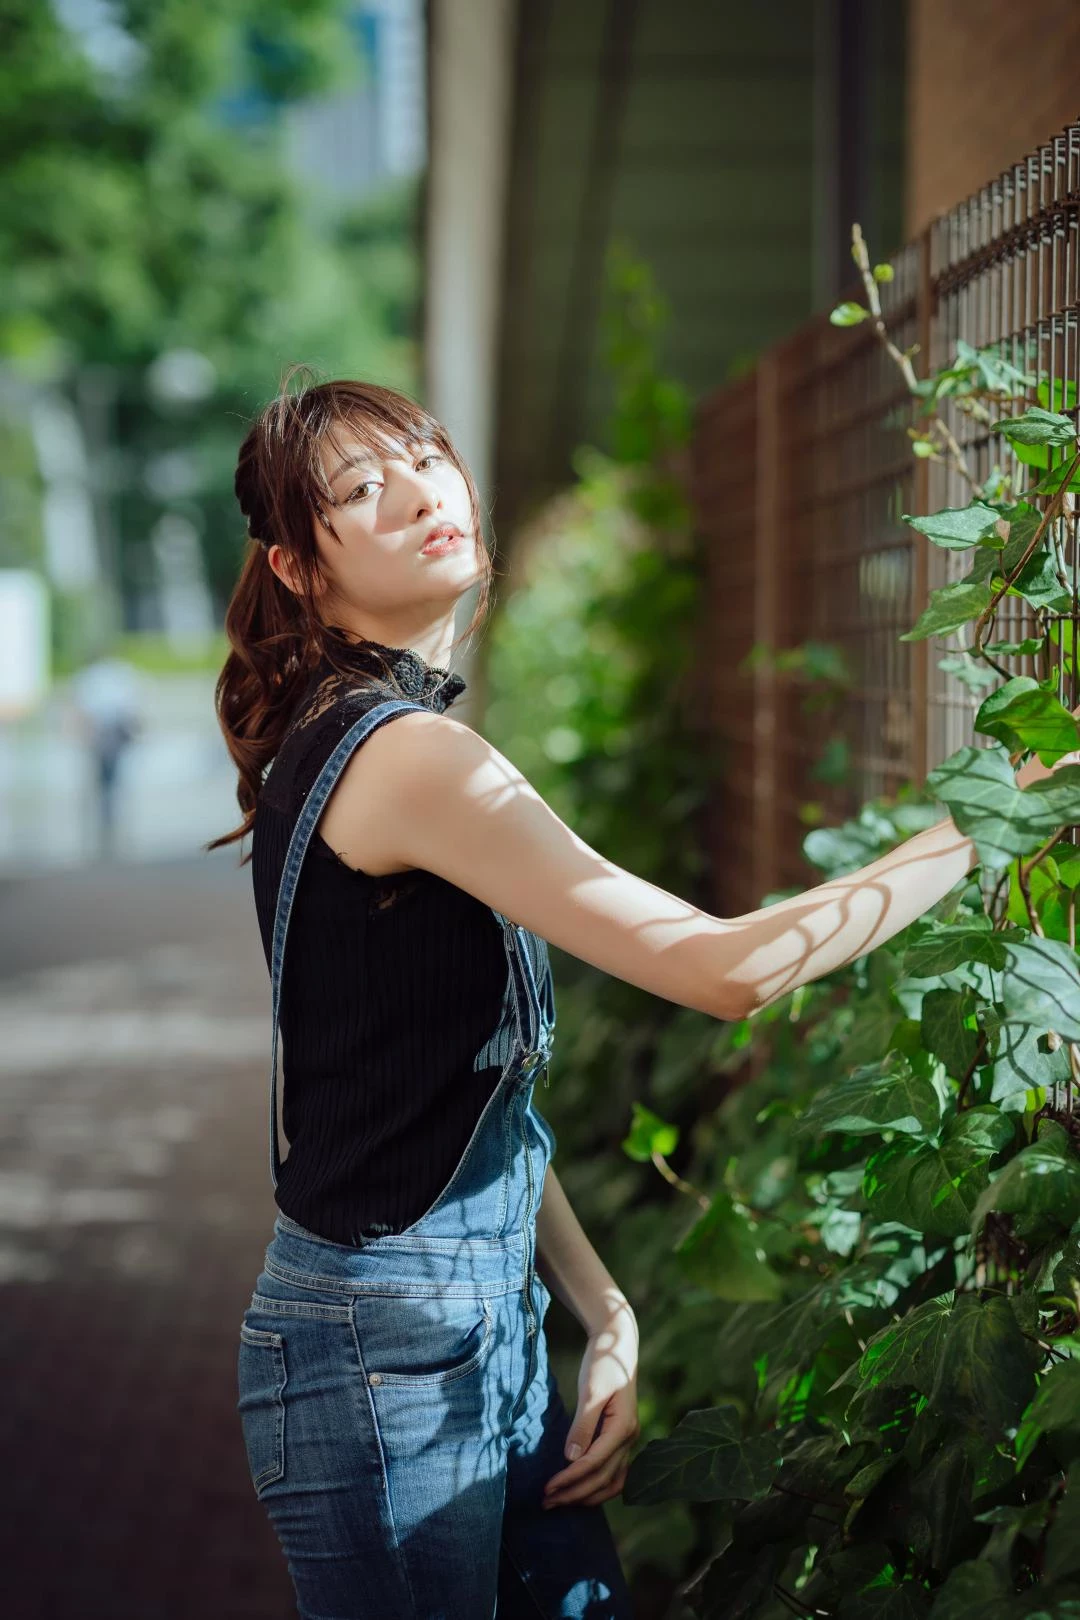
x,y
586,1469
598,1487
603,1467
617,1430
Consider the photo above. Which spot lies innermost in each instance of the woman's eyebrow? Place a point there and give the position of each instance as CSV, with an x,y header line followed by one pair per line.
x,y
361,459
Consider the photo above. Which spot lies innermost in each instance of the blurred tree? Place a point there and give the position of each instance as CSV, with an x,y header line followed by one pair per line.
x,y
161,263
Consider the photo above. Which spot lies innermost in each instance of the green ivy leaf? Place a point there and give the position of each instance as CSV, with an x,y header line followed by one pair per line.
x,y
1053,477
1038,583
1058,796
871,1035
848,314
706,1458
984,1366
1063,1542
649,1134
1060,395
985,563
943,948
991,371
992,1461
949,608
958,528
720,1253
1024,520
905,1601
1055,1407
944,1488
1023,714
738,1584
1037,426
861,1484
1041,985
1027,648
770,1519
979,787
973,1591
974,674
876,1097
1067,859
1045,888
907,1352
838,849
1020,1063
1042,1183
945,1031
935,1188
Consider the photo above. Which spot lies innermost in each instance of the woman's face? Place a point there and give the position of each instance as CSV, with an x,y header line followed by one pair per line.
x,y
385,507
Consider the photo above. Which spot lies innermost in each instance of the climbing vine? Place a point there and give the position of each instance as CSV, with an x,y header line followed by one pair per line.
x,y
858,1269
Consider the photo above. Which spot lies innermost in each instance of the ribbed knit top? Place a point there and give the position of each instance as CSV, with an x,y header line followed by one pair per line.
x,y
392,986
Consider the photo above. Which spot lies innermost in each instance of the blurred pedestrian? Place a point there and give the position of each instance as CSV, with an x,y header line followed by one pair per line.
x,y
106,698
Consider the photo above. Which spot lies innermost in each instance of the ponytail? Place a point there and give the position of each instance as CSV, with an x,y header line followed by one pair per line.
x,y
262,676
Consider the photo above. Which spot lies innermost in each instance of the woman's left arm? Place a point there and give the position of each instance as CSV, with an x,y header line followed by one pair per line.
x,y
605,1424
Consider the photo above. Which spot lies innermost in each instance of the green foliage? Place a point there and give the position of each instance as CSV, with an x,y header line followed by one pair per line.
x,y
942,1409
707,1459
849,314
859,1383
649,1134
152,210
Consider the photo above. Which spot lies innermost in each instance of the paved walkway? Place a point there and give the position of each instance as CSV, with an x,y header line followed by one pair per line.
x,y
135,1206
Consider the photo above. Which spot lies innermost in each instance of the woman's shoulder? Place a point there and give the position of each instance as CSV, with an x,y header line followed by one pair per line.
x,y
329,705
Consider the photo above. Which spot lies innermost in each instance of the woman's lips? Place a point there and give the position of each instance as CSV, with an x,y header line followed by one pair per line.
x,y
444,542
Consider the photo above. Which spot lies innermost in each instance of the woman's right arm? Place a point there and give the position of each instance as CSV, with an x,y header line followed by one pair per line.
x,y
425,790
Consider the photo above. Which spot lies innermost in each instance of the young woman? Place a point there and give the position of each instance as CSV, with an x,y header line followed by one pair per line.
x,y
401,1423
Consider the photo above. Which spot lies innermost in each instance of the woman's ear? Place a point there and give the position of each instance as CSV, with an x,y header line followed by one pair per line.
x,y
283,567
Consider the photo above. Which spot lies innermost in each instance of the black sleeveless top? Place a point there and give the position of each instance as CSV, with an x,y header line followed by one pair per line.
x,y
392,986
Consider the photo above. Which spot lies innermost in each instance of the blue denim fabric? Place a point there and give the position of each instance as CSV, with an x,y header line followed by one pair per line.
x,y
398,1411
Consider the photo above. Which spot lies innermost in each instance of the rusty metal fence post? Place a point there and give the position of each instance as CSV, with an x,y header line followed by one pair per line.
x,y
767,621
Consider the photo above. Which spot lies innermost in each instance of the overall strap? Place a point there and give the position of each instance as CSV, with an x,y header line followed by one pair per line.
x,y
530,974
290,876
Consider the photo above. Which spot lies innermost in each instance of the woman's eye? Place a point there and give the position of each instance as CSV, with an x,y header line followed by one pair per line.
x,y
373,483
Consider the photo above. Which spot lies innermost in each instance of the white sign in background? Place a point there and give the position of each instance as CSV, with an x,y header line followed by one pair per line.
x,y
24,642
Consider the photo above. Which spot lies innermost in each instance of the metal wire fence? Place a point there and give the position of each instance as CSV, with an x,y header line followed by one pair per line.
x,y
800,473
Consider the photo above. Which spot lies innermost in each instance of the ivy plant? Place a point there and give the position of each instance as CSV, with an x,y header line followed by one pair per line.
x,y
881,1246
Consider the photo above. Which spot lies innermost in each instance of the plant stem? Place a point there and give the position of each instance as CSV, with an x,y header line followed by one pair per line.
x,y
873,298
1049,516
670,1176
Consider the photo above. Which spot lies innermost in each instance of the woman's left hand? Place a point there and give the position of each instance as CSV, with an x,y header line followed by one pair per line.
x,y
606,1423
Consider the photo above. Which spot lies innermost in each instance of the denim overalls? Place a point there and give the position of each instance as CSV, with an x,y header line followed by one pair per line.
x,y
398,1412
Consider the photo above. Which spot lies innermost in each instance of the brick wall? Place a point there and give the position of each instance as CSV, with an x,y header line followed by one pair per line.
x,y
989,80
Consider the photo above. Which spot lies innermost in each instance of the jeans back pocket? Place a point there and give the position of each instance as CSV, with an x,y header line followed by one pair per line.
x,y
261,1377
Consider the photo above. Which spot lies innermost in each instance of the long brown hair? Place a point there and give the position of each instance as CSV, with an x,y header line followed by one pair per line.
x,y
276,634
